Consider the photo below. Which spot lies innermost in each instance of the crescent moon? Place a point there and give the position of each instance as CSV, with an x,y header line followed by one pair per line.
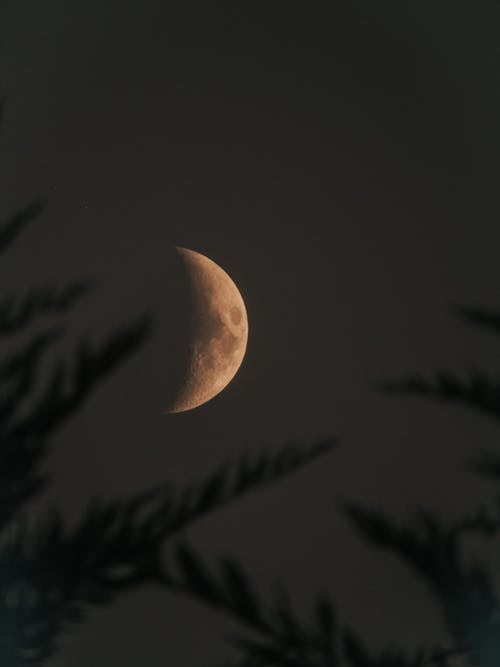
x,y
218,332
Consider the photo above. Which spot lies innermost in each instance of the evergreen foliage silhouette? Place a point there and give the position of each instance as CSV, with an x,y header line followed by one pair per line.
x,y
434,548
52,575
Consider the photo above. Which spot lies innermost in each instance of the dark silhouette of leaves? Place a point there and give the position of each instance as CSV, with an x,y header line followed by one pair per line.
x,y
18,374
357,655
16,313
51,575
465,592
118,546
24,437
277,636
10,230
482,317
91,367
486,465
477,391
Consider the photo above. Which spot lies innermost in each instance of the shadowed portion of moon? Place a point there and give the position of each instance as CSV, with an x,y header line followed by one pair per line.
x,y
217,332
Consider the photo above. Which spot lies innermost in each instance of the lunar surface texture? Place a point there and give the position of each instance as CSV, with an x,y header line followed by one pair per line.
x,y
218,332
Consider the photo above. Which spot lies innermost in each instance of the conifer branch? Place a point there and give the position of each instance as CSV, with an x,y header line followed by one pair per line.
x,y
483,317
92,365
466,593
12,228
357,655
477,391
276,636
119,546
17,312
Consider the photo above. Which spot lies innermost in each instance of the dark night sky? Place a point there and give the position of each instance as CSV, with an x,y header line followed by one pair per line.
x,y
340,162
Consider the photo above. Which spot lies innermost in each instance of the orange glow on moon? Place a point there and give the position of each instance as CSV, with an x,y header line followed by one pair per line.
x,y
218,332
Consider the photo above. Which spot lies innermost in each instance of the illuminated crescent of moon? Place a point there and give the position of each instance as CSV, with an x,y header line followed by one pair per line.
x,y
219,332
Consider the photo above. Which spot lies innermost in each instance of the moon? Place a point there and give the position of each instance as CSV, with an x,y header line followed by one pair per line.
x,y
218,332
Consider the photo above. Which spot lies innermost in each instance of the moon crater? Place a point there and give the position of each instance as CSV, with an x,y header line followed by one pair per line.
x,y
218,332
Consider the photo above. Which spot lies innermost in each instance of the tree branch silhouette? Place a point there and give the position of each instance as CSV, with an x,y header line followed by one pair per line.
x,y
12,228
432,548
51,574
119,546
18,312
276,635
